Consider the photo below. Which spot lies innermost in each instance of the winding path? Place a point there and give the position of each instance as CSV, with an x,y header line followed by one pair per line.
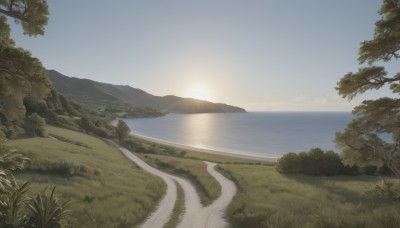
x,y
195,215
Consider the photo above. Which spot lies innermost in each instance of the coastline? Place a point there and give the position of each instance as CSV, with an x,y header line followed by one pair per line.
x,y
209,151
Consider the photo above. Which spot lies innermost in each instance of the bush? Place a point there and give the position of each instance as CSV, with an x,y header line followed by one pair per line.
x,y
315,162
35,125
67,168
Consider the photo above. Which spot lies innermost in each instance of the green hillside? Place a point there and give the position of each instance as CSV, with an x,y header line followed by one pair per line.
x,y
88,91
107,190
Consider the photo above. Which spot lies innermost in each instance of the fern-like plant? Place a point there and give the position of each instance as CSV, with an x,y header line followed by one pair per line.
x,y
47,211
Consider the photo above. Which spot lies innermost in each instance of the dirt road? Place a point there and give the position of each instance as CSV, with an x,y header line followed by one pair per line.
x,y
195,216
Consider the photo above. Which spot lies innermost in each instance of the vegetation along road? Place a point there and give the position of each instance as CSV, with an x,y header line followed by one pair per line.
x,y
195,214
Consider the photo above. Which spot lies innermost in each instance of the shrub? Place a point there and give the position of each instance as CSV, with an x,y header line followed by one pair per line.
x,y
63,167
314,162
35,125
289,163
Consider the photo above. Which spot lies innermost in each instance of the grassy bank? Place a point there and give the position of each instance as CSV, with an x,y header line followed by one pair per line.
x,y
269,199
195,170
188,163
179,208
107,190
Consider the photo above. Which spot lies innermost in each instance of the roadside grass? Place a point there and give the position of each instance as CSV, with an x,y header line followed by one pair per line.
x,y
106,189
176,151
266,198
179,208
195,170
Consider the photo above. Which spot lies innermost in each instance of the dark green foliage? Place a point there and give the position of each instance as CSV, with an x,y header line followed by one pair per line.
x,y
122,130
362,142
86,124
35,125
315,162
290,163
20,73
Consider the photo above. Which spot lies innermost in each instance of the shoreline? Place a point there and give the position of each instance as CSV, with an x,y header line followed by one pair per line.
x,y
209,151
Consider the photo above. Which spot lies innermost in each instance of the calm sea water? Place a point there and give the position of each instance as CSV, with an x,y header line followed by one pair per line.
x,y
270,134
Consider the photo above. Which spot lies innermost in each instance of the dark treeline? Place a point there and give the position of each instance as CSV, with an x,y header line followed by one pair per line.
x,y
317,162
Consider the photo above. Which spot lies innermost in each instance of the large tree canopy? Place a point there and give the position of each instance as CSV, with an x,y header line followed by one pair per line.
x,y
32,14
373,137
20,73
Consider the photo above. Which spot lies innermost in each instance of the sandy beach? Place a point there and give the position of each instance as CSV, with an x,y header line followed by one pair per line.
x,y
184,147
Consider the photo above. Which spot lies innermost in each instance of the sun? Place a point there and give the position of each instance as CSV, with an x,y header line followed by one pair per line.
x,y
199,92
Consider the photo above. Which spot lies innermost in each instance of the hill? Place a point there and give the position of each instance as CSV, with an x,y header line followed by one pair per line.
x,y
88,91
105,188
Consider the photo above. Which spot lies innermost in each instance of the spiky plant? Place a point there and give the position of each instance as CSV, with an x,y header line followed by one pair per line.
x,y
10,161
13,207
47,211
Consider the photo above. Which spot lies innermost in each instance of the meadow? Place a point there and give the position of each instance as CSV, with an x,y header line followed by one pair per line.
x,y
106,189
266,198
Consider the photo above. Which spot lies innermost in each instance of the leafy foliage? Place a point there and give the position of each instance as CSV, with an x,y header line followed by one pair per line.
x,y
31,14
47,211
10,161
363,141
314,162
122,130
20,73
35,125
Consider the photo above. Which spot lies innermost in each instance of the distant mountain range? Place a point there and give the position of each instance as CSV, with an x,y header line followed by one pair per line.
x,y
88,91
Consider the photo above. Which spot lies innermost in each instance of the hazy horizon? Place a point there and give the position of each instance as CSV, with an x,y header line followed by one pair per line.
x,y
262,56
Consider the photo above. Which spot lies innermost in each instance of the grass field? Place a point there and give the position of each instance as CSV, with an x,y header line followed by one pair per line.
x,y
110,191
269,199
106,189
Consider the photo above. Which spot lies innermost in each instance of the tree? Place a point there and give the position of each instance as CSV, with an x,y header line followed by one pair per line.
x,y
35,125
364,140
20,73
122,130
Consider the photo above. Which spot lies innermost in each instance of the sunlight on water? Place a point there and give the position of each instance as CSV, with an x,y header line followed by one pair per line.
x,y
261,133
199,129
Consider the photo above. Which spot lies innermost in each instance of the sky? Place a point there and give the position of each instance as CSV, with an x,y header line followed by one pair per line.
x,y
275,55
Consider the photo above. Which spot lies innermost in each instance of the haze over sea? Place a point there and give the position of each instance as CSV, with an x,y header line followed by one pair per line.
x,y
267,134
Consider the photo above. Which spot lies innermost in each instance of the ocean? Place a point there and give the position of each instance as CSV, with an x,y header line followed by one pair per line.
x,y
267,134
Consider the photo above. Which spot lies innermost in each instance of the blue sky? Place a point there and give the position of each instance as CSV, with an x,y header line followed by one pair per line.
x,y
260,55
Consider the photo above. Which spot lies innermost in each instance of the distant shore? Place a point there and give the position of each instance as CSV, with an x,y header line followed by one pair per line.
x,y
209,151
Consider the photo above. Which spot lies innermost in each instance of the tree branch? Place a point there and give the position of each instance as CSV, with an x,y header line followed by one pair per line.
x,y
16,15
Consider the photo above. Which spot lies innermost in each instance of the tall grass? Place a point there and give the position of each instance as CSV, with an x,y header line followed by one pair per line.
x,y
113,192
195,170
269,199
